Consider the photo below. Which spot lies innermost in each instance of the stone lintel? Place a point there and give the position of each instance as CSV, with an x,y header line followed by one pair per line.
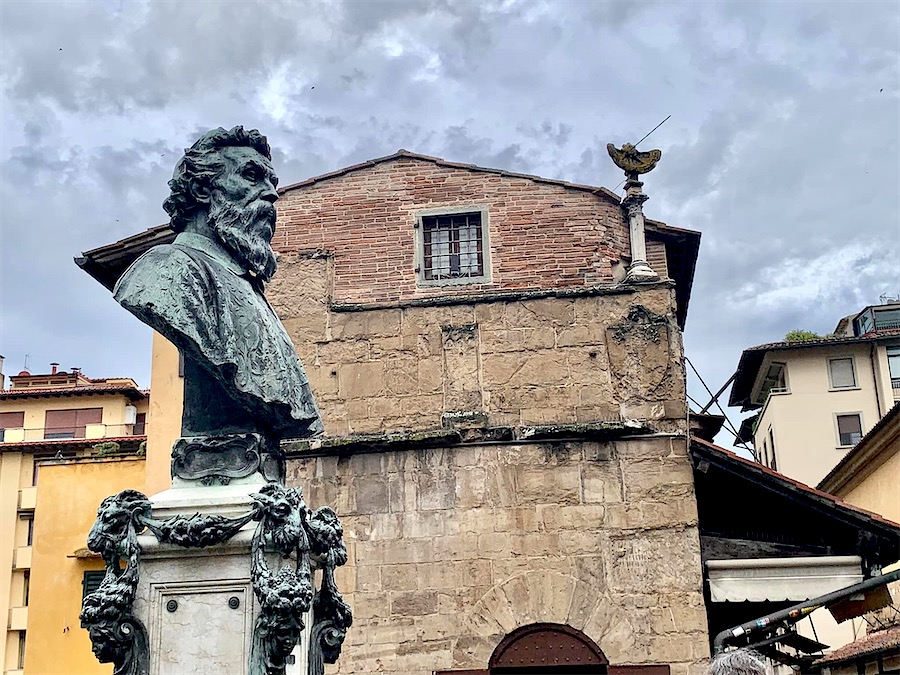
x,y
416,440
501,296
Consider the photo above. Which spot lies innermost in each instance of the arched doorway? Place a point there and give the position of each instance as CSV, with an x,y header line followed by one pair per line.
x,y
547,649
553,649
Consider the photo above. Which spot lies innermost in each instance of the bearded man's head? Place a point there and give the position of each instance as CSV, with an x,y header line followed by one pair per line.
x,y
227,175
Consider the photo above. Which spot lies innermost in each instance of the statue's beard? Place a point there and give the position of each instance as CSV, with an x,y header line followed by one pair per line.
x,y
246,231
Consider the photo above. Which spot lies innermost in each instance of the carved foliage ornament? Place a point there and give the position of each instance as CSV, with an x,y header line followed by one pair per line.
x,y
286,525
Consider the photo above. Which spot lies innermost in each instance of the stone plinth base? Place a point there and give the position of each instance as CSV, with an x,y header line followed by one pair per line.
x,y
197,604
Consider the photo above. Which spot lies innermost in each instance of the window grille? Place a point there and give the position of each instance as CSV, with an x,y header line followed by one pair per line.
x,y
453,246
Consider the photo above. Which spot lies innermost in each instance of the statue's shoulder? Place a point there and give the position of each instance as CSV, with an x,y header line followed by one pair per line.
x,y
162,269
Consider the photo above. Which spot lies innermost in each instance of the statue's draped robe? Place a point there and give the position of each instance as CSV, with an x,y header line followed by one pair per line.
x,y
241,371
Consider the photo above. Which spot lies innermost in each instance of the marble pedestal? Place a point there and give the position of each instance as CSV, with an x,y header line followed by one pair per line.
x,y
197,604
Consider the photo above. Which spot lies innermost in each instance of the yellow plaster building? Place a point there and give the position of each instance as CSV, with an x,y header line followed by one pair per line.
x,y
66,441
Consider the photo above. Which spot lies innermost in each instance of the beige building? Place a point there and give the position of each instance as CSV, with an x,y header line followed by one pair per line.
x,y
62,417
817,398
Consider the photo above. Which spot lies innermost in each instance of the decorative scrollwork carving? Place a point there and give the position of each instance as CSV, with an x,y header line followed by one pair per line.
x,y
640,321
216,458
117,636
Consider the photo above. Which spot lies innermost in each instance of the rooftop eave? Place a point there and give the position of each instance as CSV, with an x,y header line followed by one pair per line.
x,y
752,359
705,451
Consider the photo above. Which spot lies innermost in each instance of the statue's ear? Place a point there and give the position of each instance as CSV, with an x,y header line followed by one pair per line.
x,y
200,191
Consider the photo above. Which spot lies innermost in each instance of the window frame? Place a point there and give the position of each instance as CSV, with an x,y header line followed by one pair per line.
x,y
837,429
831,384
419,257
773,460
893,352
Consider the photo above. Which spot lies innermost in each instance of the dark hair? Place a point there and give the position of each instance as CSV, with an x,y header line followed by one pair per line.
x,y
200,165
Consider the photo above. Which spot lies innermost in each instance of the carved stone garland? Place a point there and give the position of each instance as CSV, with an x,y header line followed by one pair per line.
x,y
286,525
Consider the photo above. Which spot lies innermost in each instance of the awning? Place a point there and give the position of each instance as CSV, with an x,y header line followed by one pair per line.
x,y
780,579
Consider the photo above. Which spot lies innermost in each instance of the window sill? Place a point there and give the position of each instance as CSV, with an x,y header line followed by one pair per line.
x,y
462,281
836,389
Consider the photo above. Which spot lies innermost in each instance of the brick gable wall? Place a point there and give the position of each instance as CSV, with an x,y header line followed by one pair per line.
x,y
541,235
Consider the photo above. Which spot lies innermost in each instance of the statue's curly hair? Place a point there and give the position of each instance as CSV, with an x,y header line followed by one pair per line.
x,y
201,164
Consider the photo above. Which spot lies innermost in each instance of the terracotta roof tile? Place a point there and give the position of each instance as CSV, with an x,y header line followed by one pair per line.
x,y
69,391
873,643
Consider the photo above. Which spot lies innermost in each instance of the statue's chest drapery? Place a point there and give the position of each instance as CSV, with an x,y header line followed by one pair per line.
x,y
257,342
217,318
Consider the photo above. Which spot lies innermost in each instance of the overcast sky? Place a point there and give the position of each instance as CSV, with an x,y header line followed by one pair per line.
x,y
782,148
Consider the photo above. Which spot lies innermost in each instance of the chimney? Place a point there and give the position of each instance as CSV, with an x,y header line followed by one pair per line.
x,y
53,368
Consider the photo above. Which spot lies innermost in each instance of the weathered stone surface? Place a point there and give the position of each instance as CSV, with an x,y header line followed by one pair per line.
x,y
471,542
540,361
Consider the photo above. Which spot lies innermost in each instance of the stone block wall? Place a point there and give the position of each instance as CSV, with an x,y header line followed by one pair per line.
x,y
453,548
560,358
541,234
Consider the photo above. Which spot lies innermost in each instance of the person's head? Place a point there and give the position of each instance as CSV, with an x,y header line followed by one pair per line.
x,y
738,662
225,184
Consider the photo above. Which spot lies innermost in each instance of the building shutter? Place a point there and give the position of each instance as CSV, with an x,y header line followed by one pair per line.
x,y
70,423
91,582
656,258
12,420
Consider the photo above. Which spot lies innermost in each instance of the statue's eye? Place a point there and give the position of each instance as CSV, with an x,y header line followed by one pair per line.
x,y
251,173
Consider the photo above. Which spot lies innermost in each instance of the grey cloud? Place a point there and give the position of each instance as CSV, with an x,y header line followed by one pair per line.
x,y
781,146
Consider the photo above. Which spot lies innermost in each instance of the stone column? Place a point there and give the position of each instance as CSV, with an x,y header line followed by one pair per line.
x,y
639,270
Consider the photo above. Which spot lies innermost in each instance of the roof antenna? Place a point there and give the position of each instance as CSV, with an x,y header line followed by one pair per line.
x,y
25,366
651,131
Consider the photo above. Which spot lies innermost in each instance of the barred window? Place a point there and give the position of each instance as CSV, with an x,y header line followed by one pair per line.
x,y
453,247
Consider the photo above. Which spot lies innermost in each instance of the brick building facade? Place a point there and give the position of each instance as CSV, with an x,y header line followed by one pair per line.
x,y
504,451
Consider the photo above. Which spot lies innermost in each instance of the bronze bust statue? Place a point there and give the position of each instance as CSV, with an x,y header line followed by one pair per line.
x,y
244,386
